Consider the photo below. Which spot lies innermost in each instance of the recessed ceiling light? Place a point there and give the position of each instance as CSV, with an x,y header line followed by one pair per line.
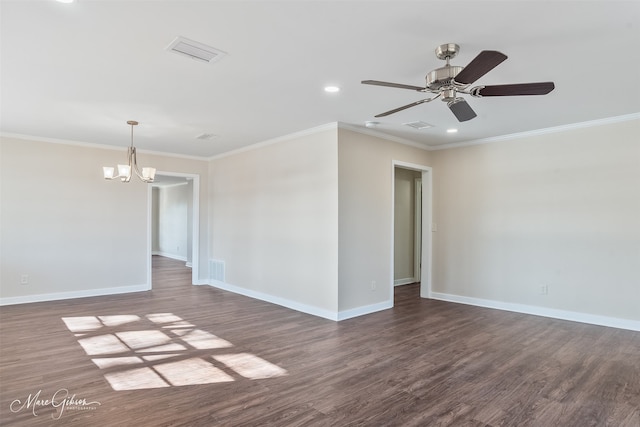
x,y
331,89
66,1
371,124
452,130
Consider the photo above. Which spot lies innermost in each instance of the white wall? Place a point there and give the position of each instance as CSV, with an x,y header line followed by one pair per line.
x,y
366,205
274,221
560,210
155,220
173,221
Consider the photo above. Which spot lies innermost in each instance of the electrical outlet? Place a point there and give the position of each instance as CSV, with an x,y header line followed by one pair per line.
x,y
373,285
544,290
24,279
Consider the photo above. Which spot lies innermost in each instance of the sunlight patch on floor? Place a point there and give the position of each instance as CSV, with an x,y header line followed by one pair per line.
x,y
201,340
192,371
250,366
110,362
82,324
102,344
135,379
121,345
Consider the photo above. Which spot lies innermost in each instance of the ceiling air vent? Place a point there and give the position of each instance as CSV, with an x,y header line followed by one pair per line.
x,y
195,50
205,136
419,125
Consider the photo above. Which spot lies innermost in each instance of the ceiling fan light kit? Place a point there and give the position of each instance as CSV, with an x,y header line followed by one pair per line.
x,y
449,81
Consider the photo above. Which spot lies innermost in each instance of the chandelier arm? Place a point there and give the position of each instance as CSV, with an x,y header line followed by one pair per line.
x,y
135,167
134,163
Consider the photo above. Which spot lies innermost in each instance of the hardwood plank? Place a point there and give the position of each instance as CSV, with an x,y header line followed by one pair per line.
x,y
424,362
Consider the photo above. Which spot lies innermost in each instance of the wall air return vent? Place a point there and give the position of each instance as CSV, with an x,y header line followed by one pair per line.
x,y
216,270
195,50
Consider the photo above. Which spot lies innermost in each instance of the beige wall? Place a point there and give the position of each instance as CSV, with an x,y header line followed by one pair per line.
x,y
274,220
63,225
308,220
69,230
560,210
365,206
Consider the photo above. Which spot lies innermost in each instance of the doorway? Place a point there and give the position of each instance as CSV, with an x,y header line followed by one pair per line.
x,y
173,218
411,225
407,225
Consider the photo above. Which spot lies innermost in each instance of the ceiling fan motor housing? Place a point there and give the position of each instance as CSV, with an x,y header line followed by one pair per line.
x,y
442,77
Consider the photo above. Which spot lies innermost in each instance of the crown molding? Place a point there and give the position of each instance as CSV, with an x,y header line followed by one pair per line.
x,y
353,128
318,129
544,131
383,135
100,146
288,137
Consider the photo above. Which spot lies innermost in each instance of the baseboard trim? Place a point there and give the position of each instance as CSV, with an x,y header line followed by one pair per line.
x,y
406,281
367,309
612,322
26,299
172,256
284,302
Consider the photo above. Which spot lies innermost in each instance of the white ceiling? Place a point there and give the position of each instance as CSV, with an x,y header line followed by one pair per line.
x,y
78,72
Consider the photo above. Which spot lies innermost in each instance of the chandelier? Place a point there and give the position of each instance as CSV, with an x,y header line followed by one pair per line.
x,y
125,171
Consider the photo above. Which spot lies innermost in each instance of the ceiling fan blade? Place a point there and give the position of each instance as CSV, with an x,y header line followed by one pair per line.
x,y
396,85
541,88
461,110
404,107
486,61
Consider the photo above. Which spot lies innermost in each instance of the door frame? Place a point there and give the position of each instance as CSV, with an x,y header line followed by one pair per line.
x,y
427,215
195,225
417,227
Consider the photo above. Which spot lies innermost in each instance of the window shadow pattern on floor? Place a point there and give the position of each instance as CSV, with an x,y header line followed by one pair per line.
x,y
162,350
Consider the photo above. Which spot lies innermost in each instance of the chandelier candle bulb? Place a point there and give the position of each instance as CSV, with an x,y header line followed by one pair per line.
x,y
108,172
124,171
148,173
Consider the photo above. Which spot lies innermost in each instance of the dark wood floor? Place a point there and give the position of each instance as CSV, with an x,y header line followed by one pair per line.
x,y
185,355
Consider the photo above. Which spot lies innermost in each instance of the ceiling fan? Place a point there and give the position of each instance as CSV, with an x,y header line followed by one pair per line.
x,y
451,80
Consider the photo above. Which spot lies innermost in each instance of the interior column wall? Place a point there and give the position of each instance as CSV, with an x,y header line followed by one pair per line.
x,y
365,226
274,221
